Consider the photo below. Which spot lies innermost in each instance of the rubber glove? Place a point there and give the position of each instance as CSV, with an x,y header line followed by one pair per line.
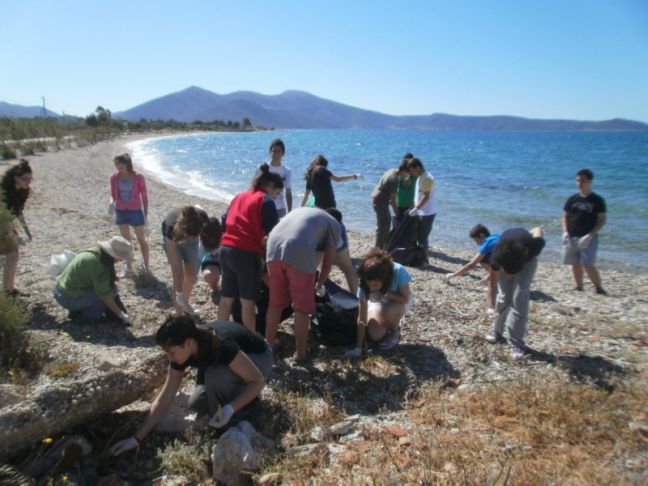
x,y
566,240
584,242
124,445
222,417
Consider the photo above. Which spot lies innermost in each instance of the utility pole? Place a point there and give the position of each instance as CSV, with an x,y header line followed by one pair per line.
x,y
44,109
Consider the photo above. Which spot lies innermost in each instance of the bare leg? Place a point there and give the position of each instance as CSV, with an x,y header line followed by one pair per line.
x,y
343,261
225,308
144,247
593,275
272,324
189,280
577,270
9,275
124,229
301,334
248,313
376,325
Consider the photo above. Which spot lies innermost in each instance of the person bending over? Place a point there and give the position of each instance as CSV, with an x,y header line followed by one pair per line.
x,y
385,296
486,242
233,365
342,256
87,287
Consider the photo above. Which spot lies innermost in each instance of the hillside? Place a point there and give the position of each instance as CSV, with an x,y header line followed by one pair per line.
x,y
18,111
298,109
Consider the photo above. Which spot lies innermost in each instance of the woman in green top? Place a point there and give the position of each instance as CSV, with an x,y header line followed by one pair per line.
x,y
406,187
87,285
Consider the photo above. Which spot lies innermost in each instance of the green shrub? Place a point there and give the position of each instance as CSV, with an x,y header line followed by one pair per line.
x,y
27,149
6,152
18,353
187,458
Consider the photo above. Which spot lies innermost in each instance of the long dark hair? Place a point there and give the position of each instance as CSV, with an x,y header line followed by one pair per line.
x,y
189,223
318,161
266,177
126,160
14,198
177,329
109,261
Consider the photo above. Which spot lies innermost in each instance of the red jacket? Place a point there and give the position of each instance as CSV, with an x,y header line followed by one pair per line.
x,y
244,226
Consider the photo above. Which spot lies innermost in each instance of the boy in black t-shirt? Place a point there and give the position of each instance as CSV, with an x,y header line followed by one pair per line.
x,y
584,215
515,259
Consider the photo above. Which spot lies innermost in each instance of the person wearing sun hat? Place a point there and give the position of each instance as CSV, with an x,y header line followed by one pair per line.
x,y
87,287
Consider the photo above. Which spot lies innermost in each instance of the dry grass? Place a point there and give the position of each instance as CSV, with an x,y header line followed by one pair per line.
x,y
187,458
63,368
539,431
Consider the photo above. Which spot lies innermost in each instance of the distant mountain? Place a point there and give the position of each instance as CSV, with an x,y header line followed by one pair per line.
x,y
18,111
298,109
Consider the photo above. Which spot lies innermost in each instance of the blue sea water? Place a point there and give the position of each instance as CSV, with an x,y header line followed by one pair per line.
x,y
502,180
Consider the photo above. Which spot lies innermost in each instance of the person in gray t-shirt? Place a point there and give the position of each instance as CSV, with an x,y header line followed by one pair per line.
x,y
384,195
292,264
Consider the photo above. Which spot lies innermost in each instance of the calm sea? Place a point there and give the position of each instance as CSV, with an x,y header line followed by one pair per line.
x,y
499,179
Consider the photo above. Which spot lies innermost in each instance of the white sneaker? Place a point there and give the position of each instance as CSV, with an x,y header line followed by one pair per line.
x,y
189,309
125,273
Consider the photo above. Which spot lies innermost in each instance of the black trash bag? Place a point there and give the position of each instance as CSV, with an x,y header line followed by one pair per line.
x,y
336,316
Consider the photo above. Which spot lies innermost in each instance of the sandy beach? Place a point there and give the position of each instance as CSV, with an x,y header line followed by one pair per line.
x,y
578,336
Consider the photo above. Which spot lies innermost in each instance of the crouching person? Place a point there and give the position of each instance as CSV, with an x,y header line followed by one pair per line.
x,y
233,364
87,287
385,297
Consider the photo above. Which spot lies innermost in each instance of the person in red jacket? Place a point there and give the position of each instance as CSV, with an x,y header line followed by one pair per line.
x,y
249,219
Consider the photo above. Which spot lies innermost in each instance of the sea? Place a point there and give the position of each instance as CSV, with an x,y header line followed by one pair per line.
x,y
501,180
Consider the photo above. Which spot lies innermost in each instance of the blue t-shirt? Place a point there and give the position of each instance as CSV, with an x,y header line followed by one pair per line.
x,y
125,189
488,244
401,277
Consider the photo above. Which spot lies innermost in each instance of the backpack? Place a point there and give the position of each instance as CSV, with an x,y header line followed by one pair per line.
x,y
336,316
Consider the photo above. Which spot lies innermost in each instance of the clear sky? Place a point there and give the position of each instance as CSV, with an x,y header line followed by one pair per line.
x,y
578,59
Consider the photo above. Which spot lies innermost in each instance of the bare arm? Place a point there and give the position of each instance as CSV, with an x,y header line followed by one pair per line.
x,y
112,305
470,265
289,200
565,216
245,368
161,404
425,198
361,327
23,223
401,296
537,232
344,177
602,218
305,197
327,263
392,201
493,277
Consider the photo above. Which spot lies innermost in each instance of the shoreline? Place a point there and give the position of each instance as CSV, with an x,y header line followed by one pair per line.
x,y
549,255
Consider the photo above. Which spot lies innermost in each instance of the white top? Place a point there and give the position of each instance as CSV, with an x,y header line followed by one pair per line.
x,y
425,183
284,173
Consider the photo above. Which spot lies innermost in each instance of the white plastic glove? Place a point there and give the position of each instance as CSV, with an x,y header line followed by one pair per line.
x,y
414,212
147,228
584,242
353,353
111,208
221,417
125,319
449,276
490,312
566,240
321,291
123,446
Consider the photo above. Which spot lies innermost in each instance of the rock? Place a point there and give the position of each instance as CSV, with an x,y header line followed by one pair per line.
x,y
235,452
343,428
269,479
317,434
179,417
51,409
305,450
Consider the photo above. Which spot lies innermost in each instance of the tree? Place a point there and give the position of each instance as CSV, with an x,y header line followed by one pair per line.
x,y
247,124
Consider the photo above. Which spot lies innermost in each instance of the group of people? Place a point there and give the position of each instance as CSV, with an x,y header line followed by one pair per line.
x,y
264,247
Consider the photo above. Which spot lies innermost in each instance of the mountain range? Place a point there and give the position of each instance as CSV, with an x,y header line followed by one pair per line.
x,y
299,109
10,110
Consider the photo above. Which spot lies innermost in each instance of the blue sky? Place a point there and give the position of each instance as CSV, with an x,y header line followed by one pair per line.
x,y
580,59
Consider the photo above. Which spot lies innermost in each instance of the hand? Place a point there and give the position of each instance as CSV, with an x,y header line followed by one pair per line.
x,y
584,242
123,446
353,353
414,212
490,312
566,240
221,417
320,291
449,276
124,318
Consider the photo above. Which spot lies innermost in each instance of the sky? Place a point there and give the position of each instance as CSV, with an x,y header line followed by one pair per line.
x,y
575,59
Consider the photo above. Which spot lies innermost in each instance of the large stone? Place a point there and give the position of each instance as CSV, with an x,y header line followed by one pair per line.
x,y
49,410
238,449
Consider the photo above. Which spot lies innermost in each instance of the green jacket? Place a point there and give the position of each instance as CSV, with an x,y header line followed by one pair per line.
x,y
85,272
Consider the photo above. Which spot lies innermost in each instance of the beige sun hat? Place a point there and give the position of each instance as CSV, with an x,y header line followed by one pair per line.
x,y
117,247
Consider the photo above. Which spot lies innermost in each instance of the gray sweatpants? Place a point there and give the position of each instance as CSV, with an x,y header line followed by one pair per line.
x,y
512,304
222,385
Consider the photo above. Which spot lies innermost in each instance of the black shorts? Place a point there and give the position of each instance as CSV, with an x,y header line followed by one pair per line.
x,y
241,273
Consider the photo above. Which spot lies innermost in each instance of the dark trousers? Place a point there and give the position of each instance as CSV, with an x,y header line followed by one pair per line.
x,y
424,229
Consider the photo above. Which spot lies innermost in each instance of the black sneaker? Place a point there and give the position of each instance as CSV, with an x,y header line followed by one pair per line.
x,y
600,291
578,289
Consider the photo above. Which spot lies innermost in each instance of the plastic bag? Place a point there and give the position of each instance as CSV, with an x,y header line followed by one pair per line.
x,y
111,208
59,262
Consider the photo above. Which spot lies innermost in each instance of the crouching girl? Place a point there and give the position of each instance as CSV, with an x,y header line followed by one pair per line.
x,y
232,361
384,296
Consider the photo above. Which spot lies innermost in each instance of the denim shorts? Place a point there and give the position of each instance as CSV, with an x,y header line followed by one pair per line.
x,y
572,254
131,217
187,252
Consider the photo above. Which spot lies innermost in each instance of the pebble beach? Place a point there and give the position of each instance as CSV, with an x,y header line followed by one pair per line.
x,y
580,336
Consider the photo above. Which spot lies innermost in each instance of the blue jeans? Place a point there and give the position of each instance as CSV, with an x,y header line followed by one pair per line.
x,y
88,303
